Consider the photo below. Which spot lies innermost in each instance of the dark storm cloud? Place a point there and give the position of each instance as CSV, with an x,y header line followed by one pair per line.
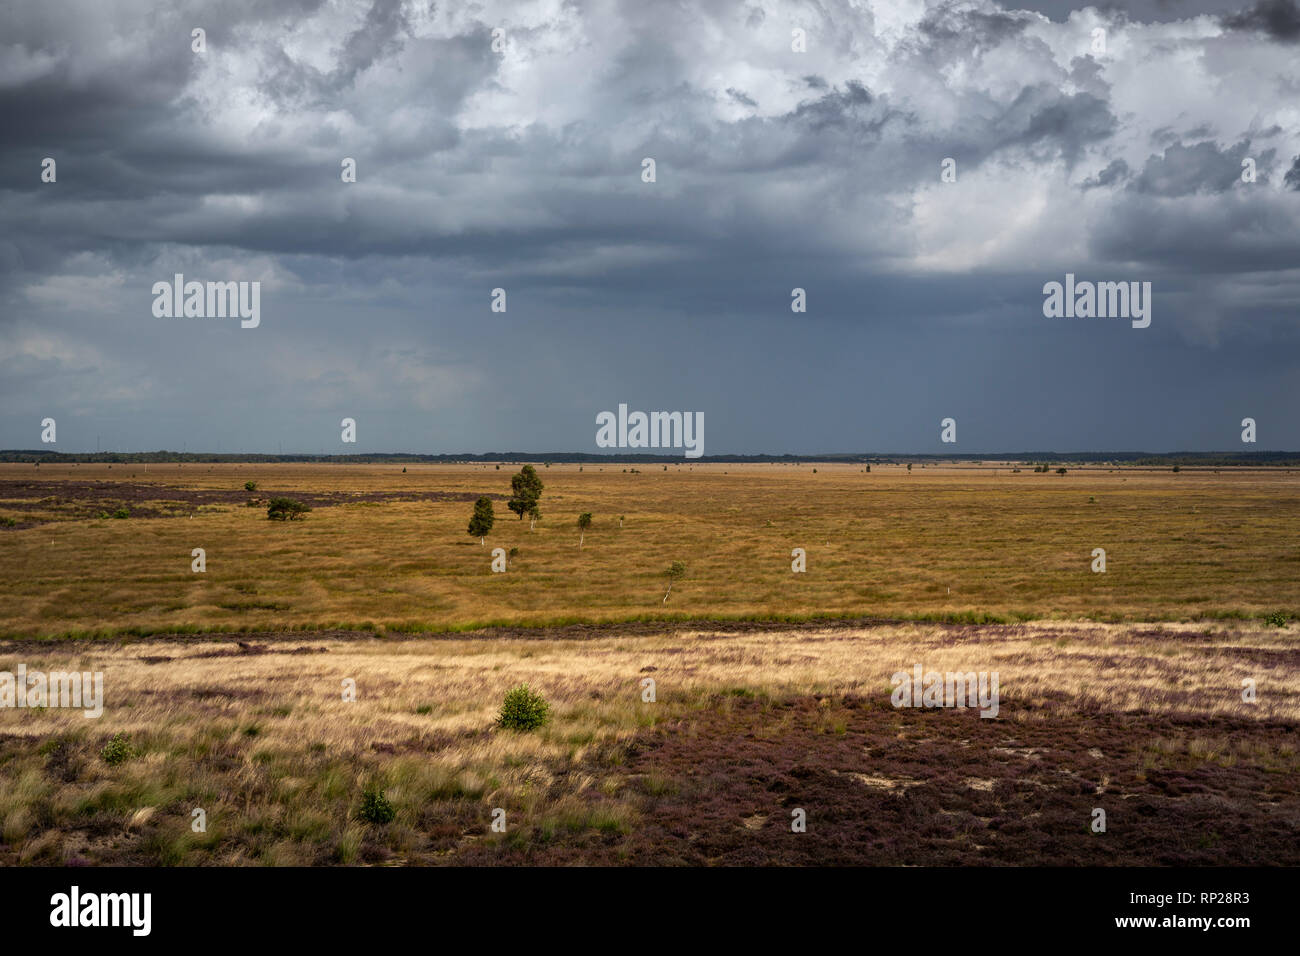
x,y
1292,178
522,169
1144,11
1202,167
1115,172
380,35
1246,233
740,97
1279,19
955,26
1045,118
849,106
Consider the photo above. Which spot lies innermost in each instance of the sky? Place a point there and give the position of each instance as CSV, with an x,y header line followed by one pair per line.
x,y
502,146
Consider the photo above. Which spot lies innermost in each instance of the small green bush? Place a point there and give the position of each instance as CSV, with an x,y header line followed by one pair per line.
x,y
375,807
122,512
523,710
250,486
1276,619
286,509
118,750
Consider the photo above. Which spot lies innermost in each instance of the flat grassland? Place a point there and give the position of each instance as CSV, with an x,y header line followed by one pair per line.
x,y
1120,692
748,725
388,550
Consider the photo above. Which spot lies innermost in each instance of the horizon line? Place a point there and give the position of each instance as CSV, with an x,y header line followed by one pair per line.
x,y
6,455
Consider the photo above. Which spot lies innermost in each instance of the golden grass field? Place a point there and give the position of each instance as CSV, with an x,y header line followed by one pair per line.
x,y
262,740
968,543
1121,691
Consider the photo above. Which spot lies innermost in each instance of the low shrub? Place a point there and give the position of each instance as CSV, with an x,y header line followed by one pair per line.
x,y
375,806
118,750
523,710
286,509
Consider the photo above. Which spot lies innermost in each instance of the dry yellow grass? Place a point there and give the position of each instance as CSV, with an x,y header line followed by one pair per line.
x,y
265,743
957,543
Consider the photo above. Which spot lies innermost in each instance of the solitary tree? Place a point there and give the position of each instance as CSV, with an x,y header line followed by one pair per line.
x,y
527,491
285,509
480,523
584,522
675,570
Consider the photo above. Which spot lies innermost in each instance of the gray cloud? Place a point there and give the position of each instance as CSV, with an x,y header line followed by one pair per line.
x,y
1044,116
1279,19
1115,172
1292,177
1202,167
522,169
963,31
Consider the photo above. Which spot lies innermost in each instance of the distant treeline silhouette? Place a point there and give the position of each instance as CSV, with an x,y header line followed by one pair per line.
x,y
1215,459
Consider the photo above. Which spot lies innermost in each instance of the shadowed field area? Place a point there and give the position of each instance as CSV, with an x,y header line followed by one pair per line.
x,y
388,550
1147,723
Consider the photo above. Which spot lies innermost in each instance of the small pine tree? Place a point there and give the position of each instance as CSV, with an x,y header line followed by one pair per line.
x,y
480,523
523,709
